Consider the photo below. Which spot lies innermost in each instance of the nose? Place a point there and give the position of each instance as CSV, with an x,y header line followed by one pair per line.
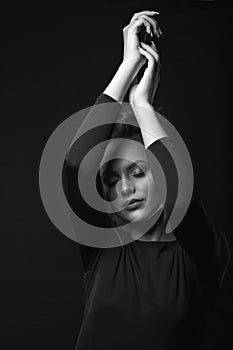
x,y
126,187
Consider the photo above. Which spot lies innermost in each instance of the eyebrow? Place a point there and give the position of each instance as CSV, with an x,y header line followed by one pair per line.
x,y
129,167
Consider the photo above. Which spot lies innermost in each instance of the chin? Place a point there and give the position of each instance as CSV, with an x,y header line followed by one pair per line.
x,y
145,214
136,216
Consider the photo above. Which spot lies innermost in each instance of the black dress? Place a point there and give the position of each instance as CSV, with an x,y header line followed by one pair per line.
x,y
149,295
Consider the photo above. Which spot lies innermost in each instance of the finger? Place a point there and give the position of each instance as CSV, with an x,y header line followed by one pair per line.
x,y
151,49
137,14
159,31
137,24
153,23
153,46
148,55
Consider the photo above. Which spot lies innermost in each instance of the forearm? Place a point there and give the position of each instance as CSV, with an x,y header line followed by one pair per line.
x,y
122,79
149,123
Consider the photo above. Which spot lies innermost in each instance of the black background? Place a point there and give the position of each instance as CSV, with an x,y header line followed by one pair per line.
x,y
56,61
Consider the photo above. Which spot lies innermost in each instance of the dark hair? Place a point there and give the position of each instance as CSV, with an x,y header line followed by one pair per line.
x,y
126,127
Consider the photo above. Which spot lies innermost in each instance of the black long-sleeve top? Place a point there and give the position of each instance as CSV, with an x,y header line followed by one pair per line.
x,y
151,294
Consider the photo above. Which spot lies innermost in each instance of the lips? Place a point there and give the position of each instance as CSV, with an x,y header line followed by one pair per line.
x,y
134,203
134,200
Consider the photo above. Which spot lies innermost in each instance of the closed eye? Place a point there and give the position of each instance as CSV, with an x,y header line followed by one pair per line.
x,y
111,180
139,174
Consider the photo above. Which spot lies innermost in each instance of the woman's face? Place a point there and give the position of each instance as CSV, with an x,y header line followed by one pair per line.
x,y
129,178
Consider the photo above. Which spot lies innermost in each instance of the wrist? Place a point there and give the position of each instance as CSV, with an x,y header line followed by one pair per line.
x,y
122,79
141,103
133,65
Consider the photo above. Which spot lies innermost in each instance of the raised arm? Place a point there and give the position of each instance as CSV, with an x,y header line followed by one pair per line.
x,y
204,243
132,59
112,96
89,135
115,92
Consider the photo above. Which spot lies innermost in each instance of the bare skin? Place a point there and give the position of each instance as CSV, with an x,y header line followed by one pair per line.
x,y
126,185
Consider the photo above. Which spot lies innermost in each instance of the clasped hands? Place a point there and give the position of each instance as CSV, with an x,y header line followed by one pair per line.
x,y
138,53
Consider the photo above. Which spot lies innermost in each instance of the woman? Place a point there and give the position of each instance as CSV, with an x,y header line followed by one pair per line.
x,y
156,290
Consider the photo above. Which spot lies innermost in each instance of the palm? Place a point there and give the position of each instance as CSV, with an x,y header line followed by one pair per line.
x,y
151,85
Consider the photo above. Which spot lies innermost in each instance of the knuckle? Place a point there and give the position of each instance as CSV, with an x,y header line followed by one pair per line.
x,y
143,17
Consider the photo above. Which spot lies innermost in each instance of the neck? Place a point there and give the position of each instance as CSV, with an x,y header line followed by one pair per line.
x,y
155,226
151,229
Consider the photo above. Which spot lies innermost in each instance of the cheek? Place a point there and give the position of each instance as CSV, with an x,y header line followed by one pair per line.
x,y
109,193
152,188
146,184
154,199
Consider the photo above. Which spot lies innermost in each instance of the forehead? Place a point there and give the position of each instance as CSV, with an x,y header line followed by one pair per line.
x,y
130,150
